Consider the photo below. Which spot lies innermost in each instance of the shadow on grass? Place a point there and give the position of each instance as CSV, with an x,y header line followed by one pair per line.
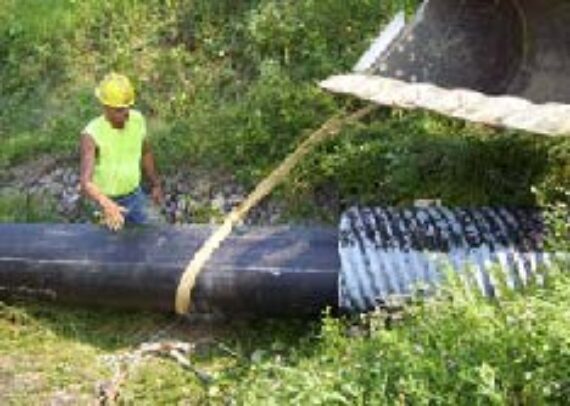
x,y
113,330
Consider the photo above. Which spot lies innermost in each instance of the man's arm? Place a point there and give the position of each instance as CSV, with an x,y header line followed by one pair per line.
x,y
113,212
150,172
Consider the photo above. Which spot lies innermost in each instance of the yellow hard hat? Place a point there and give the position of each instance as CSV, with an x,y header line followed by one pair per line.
x,y
116,90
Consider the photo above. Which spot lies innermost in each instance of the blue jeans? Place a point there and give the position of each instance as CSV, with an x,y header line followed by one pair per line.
x,y
136,204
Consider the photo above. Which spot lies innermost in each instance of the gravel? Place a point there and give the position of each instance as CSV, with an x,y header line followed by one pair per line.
x,y
190,197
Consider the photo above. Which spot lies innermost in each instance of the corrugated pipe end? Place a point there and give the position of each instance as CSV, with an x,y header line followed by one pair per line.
x,y
399,252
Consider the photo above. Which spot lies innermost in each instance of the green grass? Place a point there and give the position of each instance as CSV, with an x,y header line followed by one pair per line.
x,y
21,207
65,350
458,349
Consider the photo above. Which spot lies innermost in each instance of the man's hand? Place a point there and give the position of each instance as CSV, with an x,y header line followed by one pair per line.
x,y
114,216
157,195
150,171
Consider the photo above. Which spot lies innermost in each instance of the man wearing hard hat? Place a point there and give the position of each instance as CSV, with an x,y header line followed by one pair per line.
x,y
114,148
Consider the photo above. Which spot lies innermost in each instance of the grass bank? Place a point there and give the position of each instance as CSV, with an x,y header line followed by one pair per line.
x,y
459,349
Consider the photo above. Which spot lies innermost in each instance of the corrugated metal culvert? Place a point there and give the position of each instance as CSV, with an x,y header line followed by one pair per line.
x,y
388,252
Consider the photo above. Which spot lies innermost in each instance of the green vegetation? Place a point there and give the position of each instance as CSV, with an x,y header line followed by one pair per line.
x,y
459,349
229,86
220,81
19,207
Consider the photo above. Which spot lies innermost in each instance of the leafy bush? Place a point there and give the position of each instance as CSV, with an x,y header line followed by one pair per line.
x,y
399,157
460,349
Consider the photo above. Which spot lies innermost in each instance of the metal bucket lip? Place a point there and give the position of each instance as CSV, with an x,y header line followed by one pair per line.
x,y
515,74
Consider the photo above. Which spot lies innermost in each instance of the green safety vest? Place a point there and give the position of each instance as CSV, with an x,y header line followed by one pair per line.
x,y
118,162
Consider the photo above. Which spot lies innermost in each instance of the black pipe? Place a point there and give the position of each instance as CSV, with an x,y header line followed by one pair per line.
x,y
268,272
285,271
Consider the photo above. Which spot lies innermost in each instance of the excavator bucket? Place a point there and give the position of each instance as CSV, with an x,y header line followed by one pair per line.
x,y
501,62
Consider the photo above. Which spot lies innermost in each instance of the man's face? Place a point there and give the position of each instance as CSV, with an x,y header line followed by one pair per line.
x,y
117,116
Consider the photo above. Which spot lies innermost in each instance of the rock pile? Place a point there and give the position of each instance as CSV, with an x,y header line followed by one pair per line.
x,y
190,197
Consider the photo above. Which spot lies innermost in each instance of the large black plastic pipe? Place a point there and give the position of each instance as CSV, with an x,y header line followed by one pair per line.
x,y
284,271
267,272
